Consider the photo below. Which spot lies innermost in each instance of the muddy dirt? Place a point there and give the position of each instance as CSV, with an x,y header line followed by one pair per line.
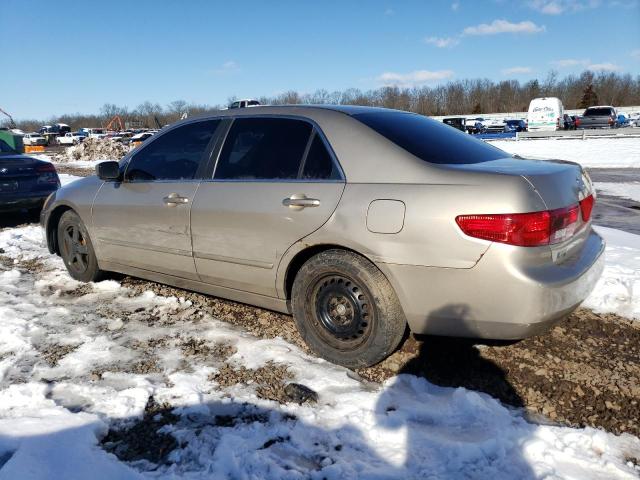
x,y
583,372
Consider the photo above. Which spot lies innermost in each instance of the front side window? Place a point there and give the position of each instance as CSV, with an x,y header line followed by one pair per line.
x,y
263,149
176,155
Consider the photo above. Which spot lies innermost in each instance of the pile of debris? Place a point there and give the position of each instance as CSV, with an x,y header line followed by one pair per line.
x,y
93,149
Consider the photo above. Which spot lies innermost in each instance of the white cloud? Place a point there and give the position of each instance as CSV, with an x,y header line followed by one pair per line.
x,y
635,54
389,11
413,79
569,62
226,68
605,67
557,7
442,42
517,70
503,26
455,6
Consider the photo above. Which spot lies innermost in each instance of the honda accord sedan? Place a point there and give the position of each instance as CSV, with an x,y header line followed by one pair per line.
x,y
361,222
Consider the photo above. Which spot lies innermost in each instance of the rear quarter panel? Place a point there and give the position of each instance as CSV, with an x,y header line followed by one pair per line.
x,y
429,234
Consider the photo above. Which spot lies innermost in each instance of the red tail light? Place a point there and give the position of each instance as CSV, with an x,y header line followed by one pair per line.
x,y
47,174
577,122
46,168
586,206
523,229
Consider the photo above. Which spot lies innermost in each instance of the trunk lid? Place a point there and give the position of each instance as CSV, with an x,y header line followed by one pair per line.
x,y
18,173
559,183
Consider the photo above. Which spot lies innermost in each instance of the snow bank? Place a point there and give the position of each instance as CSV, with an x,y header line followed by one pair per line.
x,y
92,149
51,416
618,290
592,152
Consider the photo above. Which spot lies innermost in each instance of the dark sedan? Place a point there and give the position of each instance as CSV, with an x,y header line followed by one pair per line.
x,y
511,126
25,182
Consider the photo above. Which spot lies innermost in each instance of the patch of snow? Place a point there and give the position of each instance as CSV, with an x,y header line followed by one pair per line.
x,y
618,290
623,190
592,152
52,416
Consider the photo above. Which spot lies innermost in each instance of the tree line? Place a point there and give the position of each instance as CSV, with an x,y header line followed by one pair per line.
x,y
457,97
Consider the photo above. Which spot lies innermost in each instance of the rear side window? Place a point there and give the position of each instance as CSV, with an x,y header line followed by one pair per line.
x,y
176,155
598,112
431,141
319,165
263,149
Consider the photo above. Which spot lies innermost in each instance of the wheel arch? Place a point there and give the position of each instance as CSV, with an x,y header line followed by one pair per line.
x,y
52,227
305,253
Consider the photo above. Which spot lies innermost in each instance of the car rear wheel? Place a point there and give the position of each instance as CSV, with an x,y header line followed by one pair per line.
x,y
76,248
346,310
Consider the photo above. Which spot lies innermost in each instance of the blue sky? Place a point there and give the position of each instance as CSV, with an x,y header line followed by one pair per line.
x,y
77,55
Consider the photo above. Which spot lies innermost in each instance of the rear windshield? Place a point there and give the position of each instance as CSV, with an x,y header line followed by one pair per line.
x,y
431,141
598,112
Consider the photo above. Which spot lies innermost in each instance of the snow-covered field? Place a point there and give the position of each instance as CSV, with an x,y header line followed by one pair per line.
x,y
593,152
52,414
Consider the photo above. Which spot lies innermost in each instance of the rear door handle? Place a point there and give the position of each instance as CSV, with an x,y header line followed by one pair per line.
x,y
300,201
174,199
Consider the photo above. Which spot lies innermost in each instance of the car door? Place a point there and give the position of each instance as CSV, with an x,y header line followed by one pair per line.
x,y
143,221
275,182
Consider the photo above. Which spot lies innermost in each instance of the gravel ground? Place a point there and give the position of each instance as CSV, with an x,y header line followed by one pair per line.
x,y
583,372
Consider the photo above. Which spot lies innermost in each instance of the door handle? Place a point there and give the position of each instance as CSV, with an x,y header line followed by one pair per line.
x,y
174,199
300,201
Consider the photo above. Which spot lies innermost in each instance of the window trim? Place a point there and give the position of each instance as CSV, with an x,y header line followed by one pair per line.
x,y
315,130
202,164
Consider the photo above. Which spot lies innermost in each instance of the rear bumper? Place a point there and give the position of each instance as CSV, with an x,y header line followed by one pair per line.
x,y
497,298
9,204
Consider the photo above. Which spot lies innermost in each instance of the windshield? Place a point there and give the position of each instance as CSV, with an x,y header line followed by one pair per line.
x,y
598,112
431,141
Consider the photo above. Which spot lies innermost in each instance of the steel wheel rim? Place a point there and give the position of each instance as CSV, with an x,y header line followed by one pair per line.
x,y
343,311
74,246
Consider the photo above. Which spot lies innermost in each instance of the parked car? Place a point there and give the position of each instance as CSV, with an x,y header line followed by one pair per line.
x,y
32,139
495,126
139,138
515,126
245,103
359,221
634,120
568,122
93,132
622,120
599,117
456,122
70,138
545,114
25,182
480,124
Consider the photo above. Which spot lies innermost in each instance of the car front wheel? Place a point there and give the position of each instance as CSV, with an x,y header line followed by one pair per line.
x,y
76,248
346,310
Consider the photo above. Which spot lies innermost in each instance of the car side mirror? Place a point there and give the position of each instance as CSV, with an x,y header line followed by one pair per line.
x,y
108,170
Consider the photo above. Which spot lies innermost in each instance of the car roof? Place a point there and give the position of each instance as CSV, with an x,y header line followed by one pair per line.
x,y
296,109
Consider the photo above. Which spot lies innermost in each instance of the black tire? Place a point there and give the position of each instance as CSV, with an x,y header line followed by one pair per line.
x,y
346,310
76,248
